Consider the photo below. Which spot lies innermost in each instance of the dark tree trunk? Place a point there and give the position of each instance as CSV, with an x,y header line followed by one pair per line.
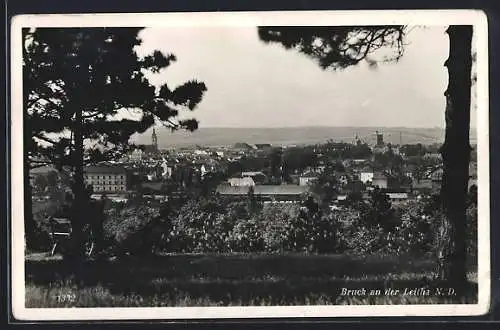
x,y
456,155
79,204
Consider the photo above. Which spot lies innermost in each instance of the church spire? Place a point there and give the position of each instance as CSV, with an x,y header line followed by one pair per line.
x,y
154,139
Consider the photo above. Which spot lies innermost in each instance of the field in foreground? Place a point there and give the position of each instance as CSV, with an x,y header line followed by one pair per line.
x,y
230,280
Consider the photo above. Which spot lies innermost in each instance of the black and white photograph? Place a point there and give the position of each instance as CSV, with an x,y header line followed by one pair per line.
x,y
250,165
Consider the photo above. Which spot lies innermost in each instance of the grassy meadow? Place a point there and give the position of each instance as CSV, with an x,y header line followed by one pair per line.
x,y
229,280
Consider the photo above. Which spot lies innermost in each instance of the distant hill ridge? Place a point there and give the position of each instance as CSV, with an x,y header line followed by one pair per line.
x,y
215,136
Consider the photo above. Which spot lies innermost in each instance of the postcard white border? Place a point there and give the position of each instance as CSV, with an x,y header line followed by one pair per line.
x,y
232,19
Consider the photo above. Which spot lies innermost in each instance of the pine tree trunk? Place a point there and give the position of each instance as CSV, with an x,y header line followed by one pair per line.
x,y
77,220
456,155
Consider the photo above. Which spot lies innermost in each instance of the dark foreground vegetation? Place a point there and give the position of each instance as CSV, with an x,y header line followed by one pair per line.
x,y
229,280
222,253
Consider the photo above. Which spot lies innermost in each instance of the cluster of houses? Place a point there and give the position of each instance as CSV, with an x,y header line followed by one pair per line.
x,y
152,166
257,183
115,181
360,181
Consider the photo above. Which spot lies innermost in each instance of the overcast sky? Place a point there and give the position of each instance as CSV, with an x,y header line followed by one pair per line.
x,y
252,84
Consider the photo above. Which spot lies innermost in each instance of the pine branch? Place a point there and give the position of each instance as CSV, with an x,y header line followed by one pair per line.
x,y
95,69
31,104
173,126
93,115
32,167
39,163
43,138
48,100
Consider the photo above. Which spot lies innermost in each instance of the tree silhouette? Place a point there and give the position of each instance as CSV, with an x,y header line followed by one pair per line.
x,y
380,212
251,201
75,83
342,46
326,186
275,161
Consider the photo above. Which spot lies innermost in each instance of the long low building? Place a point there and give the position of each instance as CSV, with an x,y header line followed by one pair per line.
x,y
106,178
265,192
398,197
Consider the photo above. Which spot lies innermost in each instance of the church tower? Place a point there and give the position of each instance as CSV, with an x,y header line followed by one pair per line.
x,y
380,139
154,140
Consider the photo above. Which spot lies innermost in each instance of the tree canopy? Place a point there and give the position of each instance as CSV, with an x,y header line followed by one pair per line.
x,y
338,47
85,94
95,71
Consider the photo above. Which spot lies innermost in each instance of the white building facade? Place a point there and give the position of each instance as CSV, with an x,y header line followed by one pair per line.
x,y
366,177
307,180
136,155
106,179
241,182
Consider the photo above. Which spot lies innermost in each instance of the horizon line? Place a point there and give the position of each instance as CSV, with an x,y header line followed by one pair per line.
x,y
324,126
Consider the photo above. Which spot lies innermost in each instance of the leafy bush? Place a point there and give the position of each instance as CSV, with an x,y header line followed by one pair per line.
x,y
41,211
414,234
291,228
203,226
125,228
356,237
312,232
219,226
246,236
278,227
403,230
214,226
40,238
325,233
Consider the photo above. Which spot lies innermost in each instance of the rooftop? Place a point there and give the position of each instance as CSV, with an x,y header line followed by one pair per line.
x,y
242,145
262,145
397,195
252,173
153,185
379,176
263,190
104,169
309,174
43,170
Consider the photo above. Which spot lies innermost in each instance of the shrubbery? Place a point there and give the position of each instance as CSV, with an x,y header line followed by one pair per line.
x,y
247,236
202,232
278,227
40,238
220,226
127,230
